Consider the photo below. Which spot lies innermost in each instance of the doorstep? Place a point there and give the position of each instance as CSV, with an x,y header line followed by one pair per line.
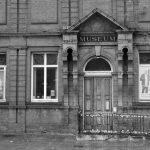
x,y
95,137
92,137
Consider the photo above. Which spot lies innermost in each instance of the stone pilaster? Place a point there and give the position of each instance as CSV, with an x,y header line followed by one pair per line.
x,y
75,79
65,78
22,76
70,42
17,71
125,40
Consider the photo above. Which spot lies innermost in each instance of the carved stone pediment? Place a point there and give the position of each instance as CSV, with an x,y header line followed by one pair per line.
x,y
97,21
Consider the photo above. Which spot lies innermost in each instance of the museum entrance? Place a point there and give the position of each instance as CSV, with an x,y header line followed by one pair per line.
x,y
97,91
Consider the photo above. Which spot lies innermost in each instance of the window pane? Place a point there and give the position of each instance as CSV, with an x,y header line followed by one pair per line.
x,y
51,59
2,59
51,83
38,59
38,83
98,64
1,83
144,58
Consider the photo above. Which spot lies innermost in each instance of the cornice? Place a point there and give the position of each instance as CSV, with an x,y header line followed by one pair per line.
x,y
6,34
141,32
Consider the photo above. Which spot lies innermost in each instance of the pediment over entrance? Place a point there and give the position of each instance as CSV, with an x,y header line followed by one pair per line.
x,y
97,21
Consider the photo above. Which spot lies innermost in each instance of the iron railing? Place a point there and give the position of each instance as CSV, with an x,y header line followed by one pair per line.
x,y
114,123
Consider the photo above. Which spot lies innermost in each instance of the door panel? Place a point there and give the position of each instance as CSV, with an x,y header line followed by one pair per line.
x,y
97,98
88,94
107,93
97,93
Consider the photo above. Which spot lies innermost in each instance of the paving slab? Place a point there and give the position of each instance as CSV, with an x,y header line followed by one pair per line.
x,y
69,142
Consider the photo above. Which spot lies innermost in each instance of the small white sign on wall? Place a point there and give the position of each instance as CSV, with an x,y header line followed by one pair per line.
x,y
107,105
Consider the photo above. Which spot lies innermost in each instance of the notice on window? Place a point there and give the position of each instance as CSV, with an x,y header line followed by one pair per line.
x,y
144,82
52,93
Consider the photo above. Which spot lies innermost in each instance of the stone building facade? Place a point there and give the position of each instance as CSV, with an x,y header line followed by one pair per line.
x,y
62,57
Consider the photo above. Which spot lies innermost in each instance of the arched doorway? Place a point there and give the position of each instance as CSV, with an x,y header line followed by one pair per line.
x,y
97,86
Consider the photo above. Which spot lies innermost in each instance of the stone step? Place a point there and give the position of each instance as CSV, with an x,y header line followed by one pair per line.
x,y
92,137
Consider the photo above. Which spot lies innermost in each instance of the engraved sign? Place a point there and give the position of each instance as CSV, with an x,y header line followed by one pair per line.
x,y
44,11
2,11
98,38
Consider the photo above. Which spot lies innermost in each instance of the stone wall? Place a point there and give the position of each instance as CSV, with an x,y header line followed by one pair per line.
x,y
34,25
50,16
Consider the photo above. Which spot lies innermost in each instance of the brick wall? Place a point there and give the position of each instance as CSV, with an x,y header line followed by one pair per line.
x,y
12,14
22,77
12,76
65,12
74,11
120,11
23,6
19,19
133,13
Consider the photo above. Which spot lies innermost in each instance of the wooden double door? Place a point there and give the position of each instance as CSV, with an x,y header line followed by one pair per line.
x,y
97,99
97,94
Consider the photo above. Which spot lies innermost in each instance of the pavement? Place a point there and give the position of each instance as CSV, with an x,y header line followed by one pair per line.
x,y
69,142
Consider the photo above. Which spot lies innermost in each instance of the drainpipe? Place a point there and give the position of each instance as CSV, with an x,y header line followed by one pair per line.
x,y
17,72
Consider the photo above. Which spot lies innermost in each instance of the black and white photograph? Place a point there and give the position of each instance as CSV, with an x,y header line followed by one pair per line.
x,y
74,74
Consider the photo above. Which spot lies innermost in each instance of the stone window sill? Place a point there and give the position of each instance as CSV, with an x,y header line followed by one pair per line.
x,y
45,105
141,105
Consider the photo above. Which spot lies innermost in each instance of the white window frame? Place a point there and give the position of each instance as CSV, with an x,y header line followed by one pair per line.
x,y
4,84
144,98
45,66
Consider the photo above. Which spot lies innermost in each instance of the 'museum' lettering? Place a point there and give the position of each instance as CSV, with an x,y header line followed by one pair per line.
x,y
102,38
